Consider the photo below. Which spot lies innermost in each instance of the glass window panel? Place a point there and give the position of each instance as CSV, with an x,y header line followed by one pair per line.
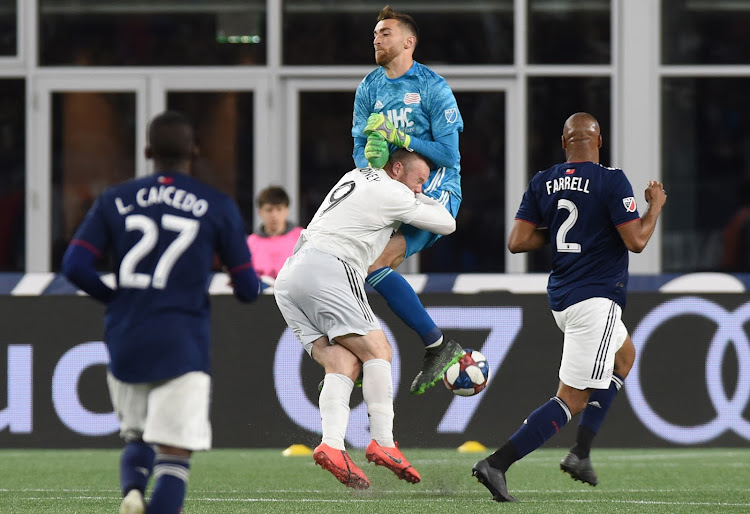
x,y
12,174
151,33
705,31
224,127
551,101
569,32
478,244
93,147
468,32
706,171
8,28
328,115
482,164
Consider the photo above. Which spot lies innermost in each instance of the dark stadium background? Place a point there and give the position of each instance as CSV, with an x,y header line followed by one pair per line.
x,y
270,85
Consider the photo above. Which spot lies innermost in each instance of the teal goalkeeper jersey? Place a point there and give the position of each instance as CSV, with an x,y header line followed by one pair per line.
x,y
421,104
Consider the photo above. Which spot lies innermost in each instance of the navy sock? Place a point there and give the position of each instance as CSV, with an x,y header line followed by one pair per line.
x,y
541,424
171,474
136,463
593,416
504,457
405,303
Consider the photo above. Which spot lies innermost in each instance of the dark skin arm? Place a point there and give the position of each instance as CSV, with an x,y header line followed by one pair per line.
x,y
636,234
525,237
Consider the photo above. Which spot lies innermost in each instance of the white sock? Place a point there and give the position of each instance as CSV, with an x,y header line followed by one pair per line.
x,y
377,389
334,408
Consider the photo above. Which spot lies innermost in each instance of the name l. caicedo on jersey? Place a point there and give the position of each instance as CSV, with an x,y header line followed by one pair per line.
x,y
169,195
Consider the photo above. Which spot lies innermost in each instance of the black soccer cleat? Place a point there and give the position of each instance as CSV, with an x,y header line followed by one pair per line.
x,y
579,469
493,479
436,362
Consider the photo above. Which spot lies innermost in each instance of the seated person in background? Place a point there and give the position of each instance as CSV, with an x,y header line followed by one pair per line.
x,y
275,239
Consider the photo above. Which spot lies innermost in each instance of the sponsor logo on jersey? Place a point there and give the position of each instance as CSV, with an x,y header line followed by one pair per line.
x,y
570,171
629,204
451,115
378,105
400,118
412,98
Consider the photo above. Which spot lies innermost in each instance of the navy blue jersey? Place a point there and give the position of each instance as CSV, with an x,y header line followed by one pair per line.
x,y
163,231
582,204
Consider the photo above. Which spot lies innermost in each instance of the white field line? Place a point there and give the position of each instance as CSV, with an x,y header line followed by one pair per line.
x,y
636,456
462,500
442,493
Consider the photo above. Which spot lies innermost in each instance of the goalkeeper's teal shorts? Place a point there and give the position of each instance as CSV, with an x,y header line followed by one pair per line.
x,y
418,239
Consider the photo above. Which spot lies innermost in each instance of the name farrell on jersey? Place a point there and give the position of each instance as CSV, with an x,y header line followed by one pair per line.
x,y
567,182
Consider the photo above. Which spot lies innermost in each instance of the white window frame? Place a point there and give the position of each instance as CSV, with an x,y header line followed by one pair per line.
x,y
151,87
39,149
238,79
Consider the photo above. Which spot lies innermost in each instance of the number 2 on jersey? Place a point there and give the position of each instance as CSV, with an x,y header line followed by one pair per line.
x,y
564,246
187,230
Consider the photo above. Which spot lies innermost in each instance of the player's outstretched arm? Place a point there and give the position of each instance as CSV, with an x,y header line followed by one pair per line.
x,y
637,233
235,254
525,237
78,267
443,152
245,282
433,217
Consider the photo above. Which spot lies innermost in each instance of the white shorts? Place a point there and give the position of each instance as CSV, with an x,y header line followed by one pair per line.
x,y
593,334
321,295
170,413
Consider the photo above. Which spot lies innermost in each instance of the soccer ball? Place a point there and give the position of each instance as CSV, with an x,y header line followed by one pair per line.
x,y
469,375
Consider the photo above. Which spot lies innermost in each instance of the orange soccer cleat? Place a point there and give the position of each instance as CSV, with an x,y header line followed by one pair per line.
x,y
341,465
393,459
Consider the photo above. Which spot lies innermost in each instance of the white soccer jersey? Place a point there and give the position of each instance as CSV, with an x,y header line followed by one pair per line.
x,y
362,211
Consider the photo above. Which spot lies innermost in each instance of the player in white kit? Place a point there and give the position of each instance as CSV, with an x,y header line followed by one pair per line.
x,y
320,292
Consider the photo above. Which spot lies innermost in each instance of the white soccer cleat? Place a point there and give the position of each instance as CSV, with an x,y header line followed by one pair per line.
x,y
133,503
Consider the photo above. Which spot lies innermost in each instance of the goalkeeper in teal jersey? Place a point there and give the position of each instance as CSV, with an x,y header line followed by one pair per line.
x,y
403,103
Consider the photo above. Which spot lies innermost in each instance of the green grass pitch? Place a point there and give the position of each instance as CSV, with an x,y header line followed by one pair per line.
x,y
231,481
